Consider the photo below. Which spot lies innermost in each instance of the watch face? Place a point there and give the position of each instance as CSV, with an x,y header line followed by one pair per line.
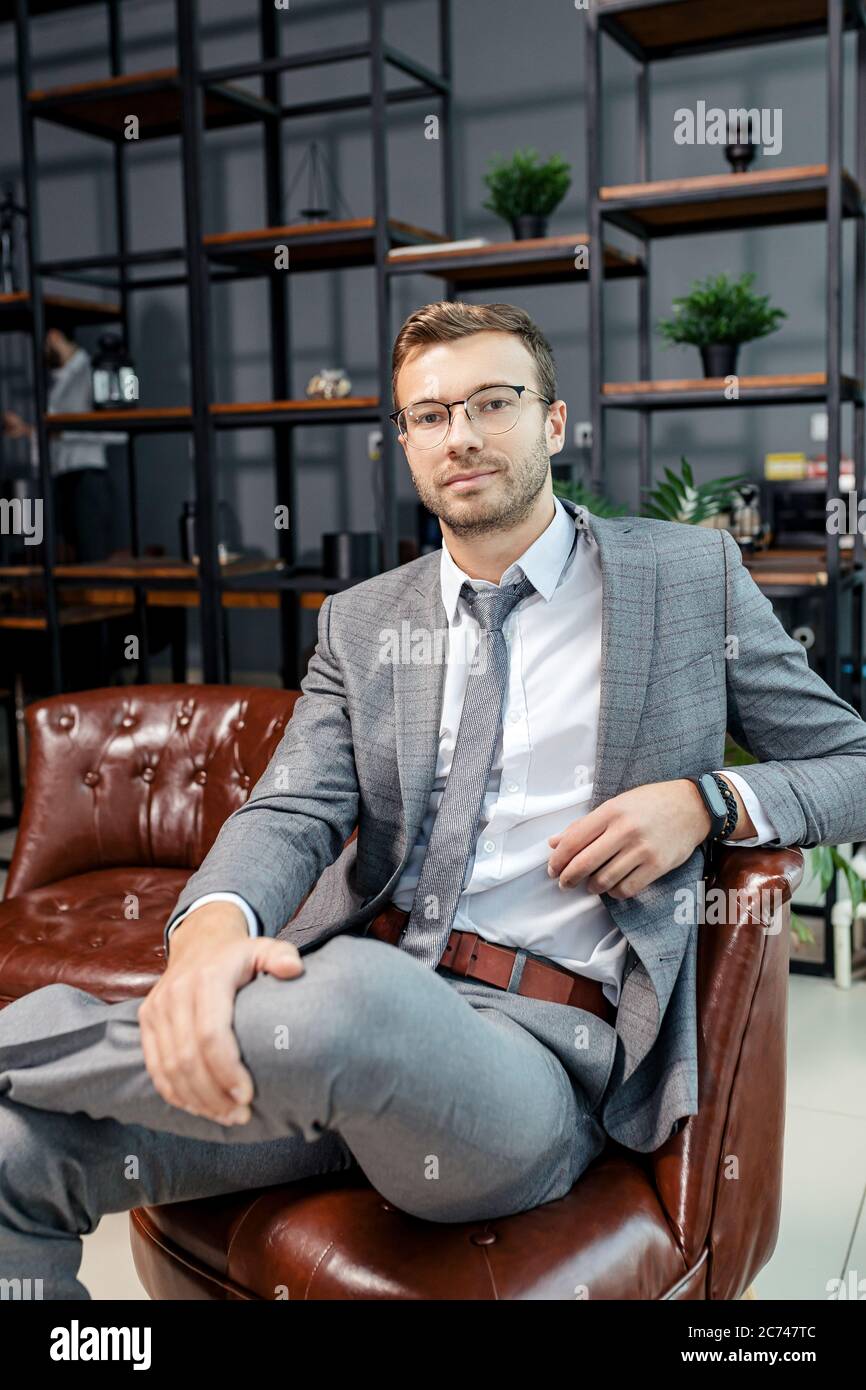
x,y
717,802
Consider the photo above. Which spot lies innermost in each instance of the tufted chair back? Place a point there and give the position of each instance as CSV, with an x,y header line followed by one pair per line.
x,y
139,775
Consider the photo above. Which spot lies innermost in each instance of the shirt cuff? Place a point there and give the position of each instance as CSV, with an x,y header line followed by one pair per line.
x,y
249,913
765,830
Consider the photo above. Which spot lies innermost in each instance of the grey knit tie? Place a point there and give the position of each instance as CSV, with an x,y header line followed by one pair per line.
x,y
440,884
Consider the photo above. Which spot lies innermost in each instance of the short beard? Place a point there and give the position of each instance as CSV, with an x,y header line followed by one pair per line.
x,y
521,482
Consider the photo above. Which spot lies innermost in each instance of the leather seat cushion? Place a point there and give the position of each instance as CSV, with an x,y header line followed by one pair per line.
x,y
100,931
335,1237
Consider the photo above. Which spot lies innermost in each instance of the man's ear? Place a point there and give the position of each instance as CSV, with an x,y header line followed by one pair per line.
x,y
556,422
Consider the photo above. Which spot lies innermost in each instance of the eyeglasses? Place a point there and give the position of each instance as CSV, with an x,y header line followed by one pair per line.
x,y
492,409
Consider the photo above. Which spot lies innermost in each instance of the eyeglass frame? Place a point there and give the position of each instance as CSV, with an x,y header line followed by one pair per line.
x,y
449,405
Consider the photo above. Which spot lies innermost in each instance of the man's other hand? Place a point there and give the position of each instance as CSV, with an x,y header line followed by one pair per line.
x,y
186,1020
632,839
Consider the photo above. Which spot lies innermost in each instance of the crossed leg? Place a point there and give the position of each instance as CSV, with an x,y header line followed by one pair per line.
x,y
452,1112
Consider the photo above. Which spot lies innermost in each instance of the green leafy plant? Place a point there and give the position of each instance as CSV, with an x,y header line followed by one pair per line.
x,y
822,861
599,506
521,185
680,499
717,310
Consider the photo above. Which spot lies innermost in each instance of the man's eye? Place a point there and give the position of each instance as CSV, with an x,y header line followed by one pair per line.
x,y
488,404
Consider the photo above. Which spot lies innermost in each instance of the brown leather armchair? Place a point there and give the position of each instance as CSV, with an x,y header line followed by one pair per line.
x,y
126,790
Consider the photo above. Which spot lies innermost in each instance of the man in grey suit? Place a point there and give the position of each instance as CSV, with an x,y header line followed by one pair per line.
x,y
498,973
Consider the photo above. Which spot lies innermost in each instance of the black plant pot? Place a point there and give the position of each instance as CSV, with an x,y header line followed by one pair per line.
x,y
528,225
719,359
739,156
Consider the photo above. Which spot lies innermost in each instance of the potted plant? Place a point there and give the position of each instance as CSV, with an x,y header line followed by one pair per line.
x,y
823,862
717,315
525,192
704,504
583,497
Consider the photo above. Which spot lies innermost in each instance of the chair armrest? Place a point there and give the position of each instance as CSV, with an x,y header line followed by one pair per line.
x,y
719,1177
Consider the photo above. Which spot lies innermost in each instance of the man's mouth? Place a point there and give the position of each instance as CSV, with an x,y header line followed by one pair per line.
x,y
463,481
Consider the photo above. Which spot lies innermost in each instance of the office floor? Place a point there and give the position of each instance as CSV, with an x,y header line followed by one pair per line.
x,y
823,1227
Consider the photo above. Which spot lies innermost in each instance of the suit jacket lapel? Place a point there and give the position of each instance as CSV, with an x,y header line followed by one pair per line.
x,y
419,686
628,567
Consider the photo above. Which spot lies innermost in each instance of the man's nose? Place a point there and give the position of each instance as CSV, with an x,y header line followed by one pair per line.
x,y
463,433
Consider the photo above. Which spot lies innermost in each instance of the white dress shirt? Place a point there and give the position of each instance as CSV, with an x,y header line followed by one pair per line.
x,y
71,389
543,763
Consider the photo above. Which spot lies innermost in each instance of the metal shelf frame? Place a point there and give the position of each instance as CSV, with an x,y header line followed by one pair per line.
x,y
616,19
194,82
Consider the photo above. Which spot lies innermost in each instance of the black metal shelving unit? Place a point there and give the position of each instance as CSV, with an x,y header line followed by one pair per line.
x,y
188,100
654,30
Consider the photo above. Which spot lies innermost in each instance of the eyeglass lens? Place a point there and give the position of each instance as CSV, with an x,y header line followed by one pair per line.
x,y
494,410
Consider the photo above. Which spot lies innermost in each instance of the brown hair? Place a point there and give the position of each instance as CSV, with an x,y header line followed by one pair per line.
x,y
444,321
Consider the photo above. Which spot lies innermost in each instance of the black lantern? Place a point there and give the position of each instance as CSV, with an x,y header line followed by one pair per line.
x,y
115,382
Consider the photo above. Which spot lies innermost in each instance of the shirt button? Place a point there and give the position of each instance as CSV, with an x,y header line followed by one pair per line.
x,y
516,716
513,787
580,775
490,845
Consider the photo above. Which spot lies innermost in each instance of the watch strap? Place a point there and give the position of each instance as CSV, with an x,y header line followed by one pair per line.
x,y
731,803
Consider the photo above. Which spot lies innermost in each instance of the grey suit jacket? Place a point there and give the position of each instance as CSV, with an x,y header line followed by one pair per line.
x,y
362,743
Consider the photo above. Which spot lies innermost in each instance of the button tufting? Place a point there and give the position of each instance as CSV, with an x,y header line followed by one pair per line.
x,y
241,724
245,780
91,778
65,721
148,774
183,720
483,1238
98,942
201,776
127,721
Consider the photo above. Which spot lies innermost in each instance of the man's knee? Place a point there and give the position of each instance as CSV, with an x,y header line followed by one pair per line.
x,y
345,994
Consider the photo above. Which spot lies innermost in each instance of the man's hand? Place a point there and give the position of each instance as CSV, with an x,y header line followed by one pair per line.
x,y
187,1036
634,838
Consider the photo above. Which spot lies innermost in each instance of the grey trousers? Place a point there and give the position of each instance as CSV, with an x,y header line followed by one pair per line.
x,y
453,1110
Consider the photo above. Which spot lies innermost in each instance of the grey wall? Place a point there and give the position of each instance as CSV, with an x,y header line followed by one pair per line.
x,y
518,81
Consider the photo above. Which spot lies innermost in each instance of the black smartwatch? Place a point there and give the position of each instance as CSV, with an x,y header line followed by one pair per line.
x,y
720,802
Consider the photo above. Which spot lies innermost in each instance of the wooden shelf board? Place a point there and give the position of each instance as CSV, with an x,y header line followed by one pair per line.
x,y
671,29
158,567
72,615
313,245
222,412
712,202
301,407
537,260
103,107
787,565
61,311
687,391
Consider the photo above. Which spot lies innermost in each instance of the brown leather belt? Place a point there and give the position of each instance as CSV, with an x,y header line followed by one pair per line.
x,y
468,954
